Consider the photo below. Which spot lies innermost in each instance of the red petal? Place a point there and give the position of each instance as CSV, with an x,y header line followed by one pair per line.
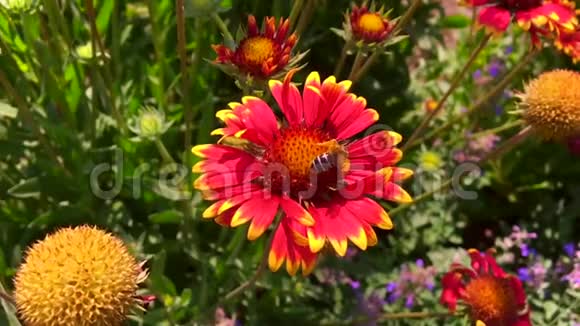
x,y
496,18
263,215
288,98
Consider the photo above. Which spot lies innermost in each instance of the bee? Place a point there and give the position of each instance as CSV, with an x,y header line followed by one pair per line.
x,y
336,157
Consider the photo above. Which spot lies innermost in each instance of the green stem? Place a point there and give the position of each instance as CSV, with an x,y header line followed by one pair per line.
x,y
496,130
223,28
482,100
167,158
341,59
415,315
96,38
454,84
258,273
304,17
508,145
366,66
295,12
358,61
6,297
407,16
28,117
159,49
182,51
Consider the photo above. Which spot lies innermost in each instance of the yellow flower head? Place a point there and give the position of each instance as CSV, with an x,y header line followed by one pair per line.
x,y
551,104
430,161
77,276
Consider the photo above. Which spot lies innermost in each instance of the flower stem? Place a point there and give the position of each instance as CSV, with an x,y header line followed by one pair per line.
x,y
505,126
8,298
415,315
96,39
158,48
454,84
163,151
358,61
508,145
341,60
365,66
257,274
223,28
479,103
185,83
295,12
304,17
407,16
28,117
499,151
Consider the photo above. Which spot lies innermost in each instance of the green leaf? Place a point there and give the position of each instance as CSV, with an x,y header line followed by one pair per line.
x,y
7,110
9,310
166,217
104,15
550,310
455,21
29,188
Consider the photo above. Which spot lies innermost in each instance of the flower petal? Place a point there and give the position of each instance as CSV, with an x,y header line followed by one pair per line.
x,y
495,18
288,98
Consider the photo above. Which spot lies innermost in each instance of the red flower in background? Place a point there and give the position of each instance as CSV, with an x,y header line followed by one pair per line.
x,y
307,169
261,53
493,297
539,17
569,43
369,26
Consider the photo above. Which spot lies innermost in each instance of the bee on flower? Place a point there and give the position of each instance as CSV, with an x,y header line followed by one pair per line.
x,y
308,170
261,54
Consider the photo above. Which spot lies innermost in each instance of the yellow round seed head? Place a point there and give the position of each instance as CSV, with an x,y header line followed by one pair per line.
x,y
551,104
76,276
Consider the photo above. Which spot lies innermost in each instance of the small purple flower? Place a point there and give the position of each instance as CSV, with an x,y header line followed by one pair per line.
x,y
524,248
570,249
355,285
477,74
495,68
508,50
410,300
524,274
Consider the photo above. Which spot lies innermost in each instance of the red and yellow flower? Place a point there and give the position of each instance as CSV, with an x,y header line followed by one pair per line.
x,y
569,43
369,26
260,54
539,17
268,169
493,297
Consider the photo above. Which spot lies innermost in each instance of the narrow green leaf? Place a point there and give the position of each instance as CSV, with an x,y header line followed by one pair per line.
x,y
9,310
166,217
455,21
29,188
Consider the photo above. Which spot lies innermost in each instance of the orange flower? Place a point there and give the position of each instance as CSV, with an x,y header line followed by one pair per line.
x,y
307,169
493,297
260,54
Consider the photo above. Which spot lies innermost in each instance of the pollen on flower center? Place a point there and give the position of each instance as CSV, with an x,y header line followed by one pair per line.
x,y
258,49
371,23
491,299
297,148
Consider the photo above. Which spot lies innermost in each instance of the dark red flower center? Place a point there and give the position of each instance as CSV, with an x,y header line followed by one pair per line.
x,y
492,300
303,159
521,4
